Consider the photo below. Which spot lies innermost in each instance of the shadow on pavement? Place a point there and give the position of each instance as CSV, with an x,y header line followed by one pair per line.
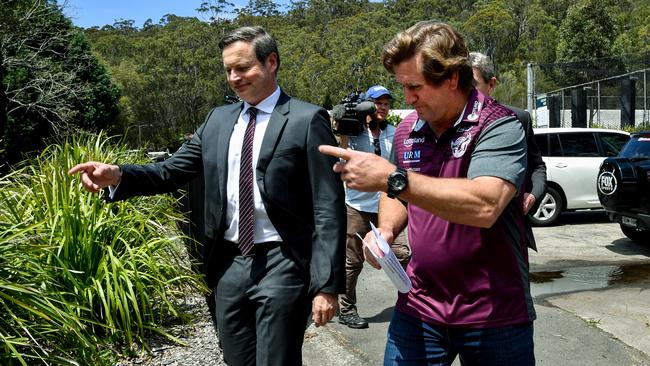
x,y
626,246
583,217
383,317
580,217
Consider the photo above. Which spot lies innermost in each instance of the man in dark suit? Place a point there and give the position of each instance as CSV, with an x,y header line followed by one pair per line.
x,y
272,248
535,183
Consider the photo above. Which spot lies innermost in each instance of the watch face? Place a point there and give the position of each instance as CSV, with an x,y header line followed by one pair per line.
x,y
398,182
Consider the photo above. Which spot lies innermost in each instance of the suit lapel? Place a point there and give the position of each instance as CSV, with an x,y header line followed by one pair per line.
x,y
223,143
276,124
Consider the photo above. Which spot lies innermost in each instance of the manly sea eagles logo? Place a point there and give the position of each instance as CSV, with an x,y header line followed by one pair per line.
x,y
459,145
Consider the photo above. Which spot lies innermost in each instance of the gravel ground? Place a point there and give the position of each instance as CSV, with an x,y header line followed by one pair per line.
x,y
202,345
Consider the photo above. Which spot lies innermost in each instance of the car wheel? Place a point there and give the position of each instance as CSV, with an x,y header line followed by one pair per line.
x,y
549,208
636,235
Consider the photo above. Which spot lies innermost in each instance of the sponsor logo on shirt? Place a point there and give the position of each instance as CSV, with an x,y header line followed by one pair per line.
x,y
413,140
459,145
411,156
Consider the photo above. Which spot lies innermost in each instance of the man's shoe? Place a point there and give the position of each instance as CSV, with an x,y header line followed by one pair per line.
x,y
353,321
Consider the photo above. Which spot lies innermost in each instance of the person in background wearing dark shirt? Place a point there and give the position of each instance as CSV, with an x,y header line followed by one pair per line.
x,y
486,82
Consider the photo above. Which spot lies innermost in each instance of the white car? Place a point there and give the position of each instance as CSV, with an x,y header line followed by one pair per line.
x,y
572,157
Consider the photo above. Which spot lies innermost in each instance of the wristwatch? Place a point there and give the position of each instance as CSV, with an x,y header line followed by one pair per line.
x,y
397,182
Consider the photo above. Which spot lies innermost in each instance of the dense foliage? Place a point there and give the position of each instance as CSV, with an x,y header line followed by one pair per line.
x,y
50,83
171,72
82,280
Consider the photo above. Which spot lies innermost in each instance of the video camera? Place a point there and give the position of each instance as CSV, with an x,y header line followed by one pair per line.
x,y
350,115
230,99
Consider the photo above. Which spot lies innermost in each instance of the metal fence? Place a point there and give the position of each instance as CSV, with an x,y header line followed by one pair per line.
x,y
614,102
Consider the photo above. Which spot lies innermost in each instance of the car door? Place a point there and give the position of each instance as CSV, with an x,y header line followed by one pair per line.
x,y
573,163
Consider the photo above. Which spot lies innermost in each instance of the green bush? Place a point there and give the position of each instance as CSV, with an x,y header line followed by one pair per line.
x,y
393,119
645,126
81,279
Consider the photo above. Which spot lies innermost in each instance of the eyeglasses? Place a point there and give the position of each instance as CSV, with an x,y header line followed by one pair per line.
x,y
375,142
383,104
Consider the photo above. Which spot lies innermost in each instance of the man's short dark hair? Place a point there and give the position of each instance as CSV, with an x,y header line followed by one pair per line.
x,y
483,64
442,49
262,42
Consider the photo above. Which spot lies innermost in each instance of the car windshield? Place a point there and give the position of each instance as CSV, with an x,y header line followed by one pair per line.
x,y
637,147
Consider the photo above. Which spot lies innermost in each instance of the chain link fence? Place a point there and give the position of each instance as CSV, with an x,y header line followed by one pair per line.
x,y
610,93
616,102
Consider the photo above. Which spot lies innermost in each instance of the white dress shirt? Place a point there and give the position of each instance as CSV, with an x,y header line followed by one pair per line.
x,y
264,229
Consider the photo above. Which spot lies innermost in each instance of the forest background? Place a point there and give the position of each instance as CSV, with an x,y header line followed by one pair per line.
x,y
154,83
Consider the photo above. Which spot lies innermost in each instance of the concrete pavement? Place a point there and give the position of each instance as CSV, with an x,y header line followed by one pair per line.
x,y
606,326
568,331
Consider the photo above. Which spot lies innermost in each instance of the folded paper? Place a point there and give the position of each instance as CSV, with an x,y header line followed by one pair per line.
x,y
389,262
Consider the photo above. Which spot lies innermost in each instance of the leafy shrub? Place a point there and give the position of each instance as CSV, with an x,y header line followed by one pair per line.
x,y
79,276
645,126
393,119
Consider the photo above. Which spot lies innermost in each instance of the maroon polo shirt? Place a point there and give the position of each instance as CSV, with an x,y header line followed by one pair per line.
x,y
466,276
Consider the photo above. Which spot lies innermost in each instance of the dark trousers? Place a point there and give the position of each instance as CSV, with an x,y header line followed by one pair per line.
x,y
358,222
262,307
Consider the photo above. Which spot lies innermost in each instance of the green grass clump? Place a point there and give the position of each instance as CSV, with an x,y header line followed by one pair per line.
x,y
645,126
81,279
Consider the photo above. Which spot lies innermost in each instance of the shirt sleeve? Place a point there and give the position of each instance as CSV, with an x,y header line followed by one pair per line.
x,y
500,152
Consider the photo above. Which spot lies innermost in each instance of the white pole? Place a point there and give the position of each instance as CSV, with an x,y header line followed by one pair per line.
x,y
531,89
598,119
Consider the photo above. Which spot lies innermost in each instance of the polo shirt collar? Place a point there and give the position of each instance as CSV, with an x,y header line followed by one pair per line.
x,y
477,101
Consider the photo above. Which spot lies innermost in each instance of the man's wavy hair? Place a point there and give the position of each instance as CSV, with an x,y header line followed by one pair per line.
x,y
442,49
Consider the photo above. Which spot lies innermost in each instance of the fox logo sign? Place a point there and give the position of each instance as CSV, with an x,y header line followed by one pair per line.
x,y
607,183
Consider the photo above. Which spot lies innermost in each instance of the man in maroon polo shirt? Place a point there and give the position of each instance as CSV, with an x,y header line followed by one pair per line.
x,y
455,177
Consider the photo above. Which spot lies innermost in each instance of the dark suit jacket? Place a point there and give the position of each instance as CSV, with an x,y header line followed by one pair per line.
x,y
536,173
303,197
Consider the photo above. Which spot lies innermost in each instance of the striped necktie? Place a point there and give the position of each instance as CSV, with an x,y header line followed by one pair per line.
x,y
246,197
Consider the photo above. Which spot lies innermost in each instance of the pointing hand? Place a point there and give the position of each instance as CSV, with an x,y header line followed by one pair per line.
x,y
96,176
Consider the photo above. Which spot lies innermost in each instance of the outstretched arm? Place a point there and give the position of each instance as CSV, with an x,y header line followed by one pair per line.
x,y
476,202
496,171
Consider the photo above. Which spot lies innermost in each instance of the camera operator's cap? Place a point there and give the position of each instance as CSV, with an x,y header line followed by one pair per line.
x,y
376,92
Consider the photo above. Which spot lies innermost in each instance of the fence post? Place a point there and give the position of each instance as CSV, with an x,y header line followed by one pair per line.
x,y
578,108
628,102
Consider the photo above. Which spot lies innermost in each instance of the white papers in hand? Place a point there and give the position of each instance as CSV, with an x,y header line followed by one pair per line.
x,y
389,262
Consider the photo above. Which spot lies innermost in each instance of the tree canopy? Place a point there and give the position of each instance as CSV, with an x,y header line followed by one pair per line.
x,y
170,73
50,82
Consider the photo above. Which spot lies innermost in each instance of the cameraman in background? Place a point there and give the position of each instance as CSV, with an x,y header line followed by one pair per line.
x,y
375,137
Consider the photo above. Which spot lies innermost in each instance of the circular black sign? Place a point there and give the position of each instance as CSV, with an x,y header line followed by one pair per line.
x,y
607,183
